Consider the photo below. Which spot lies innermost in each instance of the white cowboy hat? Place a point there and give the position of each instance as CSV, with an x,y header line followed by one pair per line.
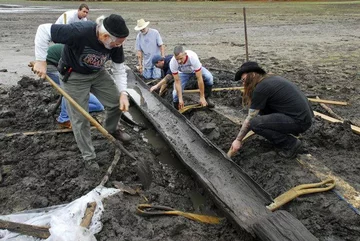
x,y
141,24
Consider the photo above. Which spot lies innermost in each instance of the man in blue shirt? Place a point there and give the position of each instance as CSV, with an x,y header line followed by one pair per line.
x,y
148,44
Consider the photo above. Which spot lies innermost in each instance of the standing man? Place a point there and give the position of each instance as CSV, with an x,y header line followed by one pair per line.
x,y
52,60
163,64
88,45
73,16
148,44
183,66
278,110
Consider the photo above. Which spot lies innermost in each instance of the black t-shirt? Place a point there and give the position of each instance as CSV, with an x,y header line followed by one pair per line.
x,y
278,95
83,51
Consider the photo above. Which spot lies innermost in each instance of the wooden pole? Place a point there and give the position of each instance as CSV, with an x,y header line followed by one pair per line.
x,y
246,41
111,167
26,229
330,111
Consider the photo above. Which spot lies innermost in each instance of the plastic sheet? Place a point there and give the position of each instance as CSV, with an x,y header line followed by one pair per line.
x,y
64,220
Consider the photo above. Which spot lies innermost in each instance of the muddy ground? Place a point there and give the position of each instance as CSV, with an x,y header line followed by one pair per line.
x,y
312,44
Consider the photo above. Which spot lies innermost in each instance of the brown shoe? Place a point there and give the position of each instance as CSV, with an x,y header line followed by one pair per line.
x,y
121,136
65,125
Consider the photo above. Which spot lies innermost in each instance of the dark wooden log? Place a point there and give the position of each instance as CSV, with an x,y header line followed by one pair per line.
x,y
281,226
241,199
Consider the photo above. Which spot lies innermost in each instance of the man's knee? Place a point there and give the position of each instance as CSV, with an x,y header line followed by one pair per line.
x,y
255,124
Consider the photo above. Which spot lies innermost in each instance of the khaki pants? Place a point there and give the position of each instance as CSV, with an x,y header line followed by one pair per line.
x,y
102,85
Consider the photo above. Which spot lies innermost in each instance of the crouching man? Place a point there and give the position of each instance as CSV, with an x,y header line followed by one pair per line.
x,y
278,110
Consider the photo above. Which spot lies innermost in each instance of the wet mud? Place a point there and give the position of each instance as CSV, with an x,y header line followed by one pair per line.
x,y
313,46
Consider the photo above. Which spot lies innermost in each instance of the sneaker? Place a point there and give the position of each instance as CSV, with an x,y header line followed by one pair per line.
x,y
121,136
65,125
291,153
91,165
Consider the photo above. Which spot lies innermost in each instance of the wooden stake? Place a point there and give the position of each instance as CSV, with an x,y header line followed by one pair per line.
x,y
216,89
31,133
327,101
329,110
333,120
26,229
111,167
89,213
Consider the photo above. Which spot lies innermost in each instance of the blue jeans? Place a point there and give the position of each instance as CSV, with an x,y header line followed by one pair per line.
x,y
94,103
185,77
276,128
152,73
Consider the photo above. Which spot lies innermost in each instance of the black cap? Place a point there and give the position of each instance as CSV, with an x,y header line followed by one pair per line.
x,y
156,59
116,26
248,67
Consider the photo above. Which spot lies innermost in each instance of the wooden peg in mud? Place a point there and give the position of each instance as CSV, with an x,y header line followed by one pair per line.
x,y
89,213
329,110
26,229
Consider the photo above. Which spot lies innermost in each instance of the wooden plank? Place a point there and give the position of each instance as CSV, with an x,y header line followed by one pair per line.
x,y
333,102
333,120
216,89
280,225
322,172
26,229
89,213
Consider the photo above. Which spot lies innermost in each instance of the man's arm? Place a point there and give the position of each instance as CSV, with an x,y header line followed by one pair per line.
x,y
139,57
200,82
178,89
42,40
165,80
120,78
245,128
162,51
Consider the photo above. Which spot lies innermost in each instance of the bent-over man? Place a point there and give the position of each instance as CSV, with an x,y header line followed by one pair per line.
x,y
88,45
184,65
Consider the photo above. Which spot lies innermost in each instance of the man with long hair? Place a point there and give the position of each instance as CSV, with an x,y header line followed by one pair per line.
x,y
278,110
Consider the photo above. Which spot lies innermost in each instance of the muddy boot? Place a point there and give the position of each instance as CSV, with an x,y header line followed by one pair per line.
x,y
176,105
122,136
292,151
208,92
91,165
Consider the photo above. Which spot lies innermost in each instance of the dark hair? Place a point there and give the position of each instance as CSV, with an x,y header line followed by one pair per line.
x,y
83,5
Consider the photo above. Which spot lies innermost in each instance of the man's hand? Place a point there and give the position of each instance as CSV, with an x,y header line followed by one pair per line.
x,y
181,104
39,69
155,87
124,102
203,101
236,145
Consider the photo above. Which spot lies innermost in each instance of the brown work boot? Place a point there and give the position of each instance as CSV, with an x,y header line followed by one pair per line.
x,y
65,125
122,136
